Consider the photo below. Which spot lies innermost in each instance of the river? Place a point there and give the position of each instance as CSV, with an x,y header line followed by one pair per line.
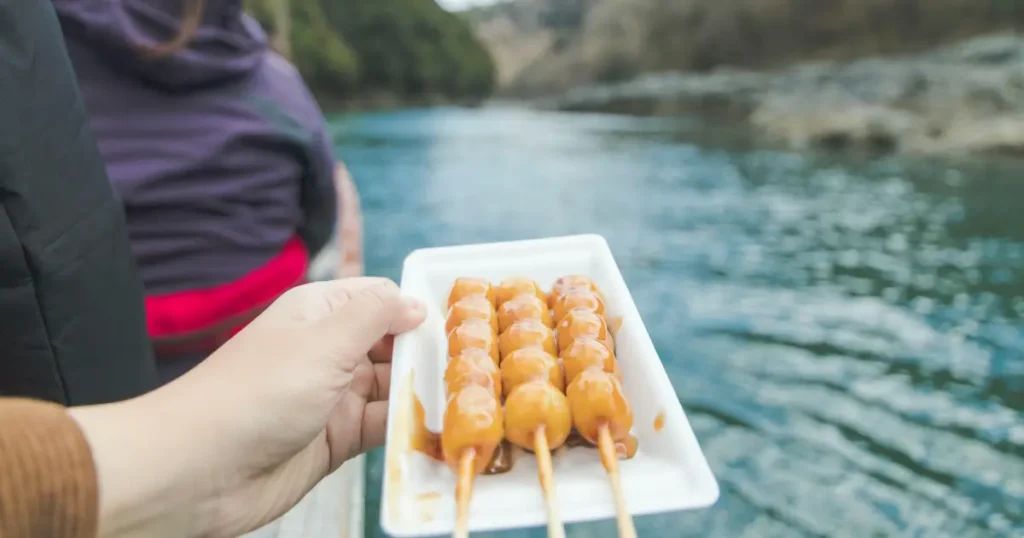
x,y
846,335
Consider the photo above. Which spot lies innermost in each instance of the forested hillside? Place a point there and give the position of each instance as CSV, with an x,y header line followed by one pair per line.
x,y
410,50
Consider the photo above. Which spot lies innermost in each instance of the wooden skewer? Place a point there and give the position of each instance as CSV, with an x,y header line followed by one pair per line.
x,y
547,483
606,447
463,492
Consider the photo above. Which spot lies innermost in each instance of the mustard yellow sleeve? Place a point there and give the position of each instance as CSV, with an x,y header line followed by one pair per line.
x,y
48,484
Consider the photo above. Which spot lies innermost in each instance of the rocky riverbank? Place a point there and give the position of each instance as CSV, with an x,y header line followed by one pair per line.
x,y
965,98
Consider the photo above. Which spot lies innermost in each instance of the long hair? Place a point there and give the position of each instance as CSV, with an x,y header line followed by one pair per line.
x,y
191,19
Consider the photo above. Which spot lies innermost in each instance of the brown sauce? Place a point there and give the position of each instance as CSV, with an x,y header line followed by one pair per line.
x,y
428,443
402,423
428,505
624,450
614,324
424,440
501,461
575,439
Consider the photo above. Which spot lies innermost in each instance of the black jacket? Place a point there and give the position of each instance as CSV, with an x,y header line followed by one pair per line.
x,y
72,317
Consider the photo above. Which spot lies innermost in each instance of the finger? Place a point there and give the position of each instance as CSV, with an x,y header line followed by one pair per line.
x,y
383,349
375,425
382,382
370,313
411,316
318,300
341,436
337,293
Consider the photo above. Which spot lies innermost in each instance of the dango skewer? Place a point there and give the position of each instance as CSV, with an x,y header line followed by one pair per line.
x,y
600,412
473,429
537,418
603,417
537,415
473,425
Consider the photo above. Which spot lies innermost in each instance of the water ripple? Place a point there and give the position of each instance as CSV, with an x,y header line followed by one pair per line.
x,y
847,337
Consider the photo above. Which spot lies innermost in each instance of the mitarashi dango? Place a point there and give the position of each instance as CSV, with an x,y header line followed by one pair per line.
x,y
527,333
537,407
466,286
520,307
473,334
583,353
471,307
570,282
580,323
472,367
517,285
473,420
530,364
595,399
577,299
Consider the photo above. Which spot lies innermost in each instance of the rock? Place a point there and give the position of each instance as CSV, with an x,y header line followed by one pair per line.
x,y
835,125
995,135
999,49
967,97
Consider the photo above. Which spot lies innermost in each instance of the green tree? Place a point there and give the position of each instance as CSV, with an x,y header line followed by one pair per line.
x,y
411,48
327,63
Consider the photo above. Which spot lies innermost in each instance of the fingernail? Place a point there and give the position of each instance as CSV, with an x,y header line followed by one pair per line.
x,y
414,303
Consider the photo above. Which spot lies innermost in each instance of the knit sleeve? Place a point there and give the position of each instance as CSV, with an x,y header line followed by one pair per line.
x,y
48,483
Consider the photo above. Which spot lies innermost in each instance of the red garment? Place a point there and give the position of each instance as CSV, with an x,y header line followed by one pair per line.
x,y
199,321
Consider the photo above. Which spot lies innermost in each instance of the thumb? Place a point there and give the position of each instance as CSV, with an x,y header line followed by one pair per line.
x,y
372,311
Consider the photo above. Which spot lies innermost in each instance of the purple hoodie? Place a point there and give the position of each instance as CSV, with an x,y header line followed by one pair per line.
x,y
218,152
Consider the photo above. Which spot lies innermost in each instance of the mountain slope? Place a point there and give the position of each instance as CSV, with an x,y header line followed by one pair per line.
x,y
548,46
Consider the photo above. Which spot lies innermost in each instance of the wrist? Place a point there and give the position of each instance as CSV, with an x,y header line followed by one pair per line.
x,y
146,474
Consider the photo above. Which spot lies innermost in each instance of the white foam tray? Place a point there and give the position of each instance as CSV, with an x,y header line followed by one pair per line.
x,y
668,472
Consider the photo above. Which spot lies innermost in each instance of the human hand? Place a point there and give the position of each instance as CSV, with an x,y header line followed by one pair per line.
x,y
350,227
252,429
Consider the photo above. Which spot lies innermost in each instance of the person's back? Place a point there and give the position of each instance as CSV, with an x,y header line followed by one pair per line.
x,y
217,151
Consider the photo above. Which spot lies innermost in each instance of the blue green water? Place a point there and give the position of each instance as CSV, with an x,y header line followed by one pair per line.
x,y
845,335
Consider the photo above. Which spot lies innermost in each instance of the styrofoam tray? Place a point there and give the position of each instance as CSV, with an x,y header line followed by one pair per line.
x,y
668,472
